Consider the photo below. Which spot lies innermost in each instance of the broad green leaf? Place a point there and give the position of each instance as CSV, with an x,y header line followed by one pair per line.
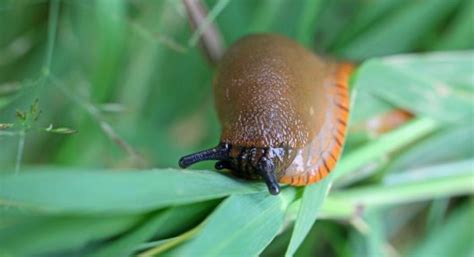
x,y
41,235
421,90
312,200
452,68
243,225
116,191
454,238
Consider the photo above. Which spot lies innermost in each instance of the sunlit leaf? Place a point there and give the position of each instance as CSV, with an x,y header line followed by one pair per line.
x,y
116,191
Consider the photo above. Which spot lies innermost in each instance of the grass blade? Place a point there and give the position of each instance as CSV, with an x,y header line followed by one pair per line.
x,y
453,68
243,225
439,181
448,145
117,191
312,200
420,90
384,145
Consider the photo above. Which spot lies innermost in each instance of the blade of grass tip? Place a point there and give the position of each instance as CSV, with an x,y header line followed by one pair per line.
x,y
307,22
312,200
243,226
384,145
216,10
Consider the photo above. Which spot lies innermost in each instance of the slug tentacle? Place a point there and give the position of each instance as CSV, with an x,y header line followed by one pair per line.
x,y
220,152
266,169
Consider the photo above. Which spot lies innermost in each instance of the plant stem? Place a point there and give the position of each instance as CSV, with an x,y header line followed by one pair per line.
x,y
171,242
19,153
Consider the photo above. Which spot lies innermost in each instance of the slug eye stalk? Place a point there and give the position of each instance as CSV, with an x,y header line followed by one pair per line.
x,y
218,153
267,171
265,167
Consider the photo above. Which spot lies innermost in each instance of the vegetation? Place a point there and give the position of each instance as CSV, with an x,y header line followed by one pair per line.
x,y
99,99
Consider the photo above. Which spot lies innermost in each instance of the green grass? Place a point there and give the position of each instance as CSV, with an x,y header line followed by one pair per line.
x,y
99,99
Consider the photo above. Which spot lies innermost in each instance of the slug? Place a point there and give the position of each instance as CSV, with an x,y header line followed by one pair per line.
x,y
283,111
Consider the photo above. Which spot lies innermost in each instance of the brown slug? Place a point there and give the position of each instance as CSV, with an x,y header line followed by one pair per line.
x,y
283,111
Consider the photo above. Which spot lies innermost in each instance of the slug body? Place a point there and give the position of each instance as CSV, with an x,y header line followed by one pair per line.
x,y
283,112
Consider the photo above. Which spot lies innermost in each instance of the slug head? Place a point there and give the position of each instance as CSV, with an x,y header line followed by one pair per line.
x,y
246,162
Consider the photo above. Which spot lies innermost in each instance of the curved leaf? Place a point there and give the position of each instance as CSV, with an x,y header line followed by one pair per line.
x,y
116,191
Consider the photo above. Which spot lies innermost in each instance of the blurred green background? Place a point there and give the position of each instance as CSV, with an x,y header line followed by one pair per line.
x,y
126,77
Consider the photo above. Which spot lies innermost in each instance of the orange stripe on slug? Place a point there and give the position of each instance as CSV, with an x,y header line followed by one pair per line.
x,y
341,93
323,171
330,162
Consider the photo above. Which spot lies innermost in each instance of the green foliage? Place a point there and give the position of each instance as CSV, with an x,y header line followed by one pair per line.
x,y
132,93
117,191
